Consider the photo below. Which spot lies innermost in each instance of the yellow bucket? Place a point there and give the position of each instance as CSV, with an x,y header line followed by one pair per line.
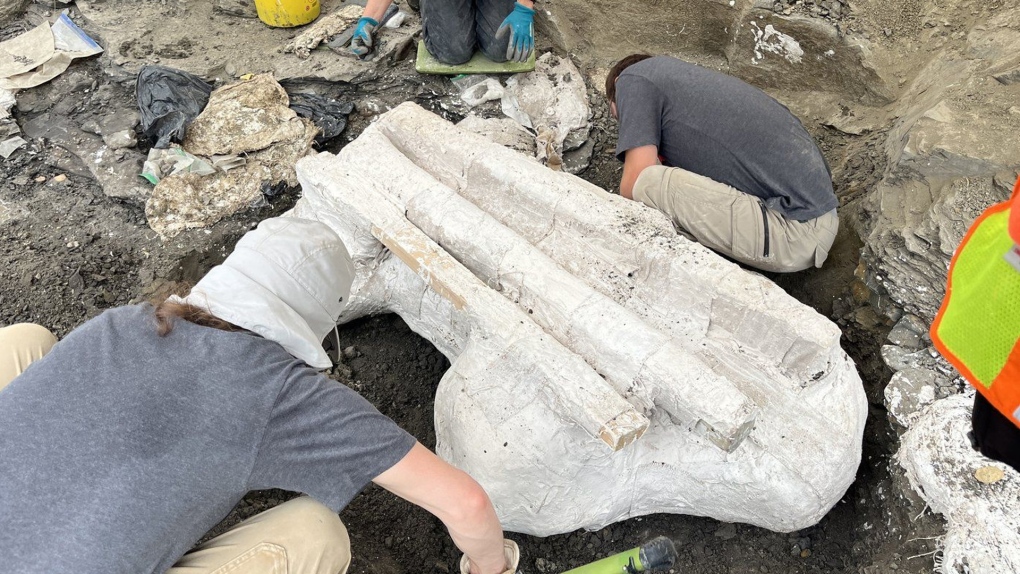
x,y
287,13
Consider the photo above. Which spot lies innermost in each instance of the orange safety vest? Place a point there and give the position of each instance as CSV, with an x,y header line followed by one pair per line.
x,y
977,328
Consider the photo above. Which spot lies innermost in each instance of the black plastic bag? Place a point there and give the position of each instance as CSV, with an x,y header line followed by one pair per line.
x,y
328,114
169,100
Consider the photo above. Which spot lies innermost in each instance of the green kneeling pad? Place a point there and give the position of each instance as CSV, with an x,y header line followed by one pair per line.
x,y
426,63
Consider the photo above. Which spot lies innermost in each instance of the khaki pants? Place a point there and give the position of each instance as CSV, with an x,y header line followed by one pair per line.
x,y
734,223
301,536
20,345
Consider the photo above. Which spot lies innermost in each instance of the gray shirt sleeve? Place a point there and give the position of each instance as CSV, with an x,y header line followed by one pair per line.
x,y
639,104
327,441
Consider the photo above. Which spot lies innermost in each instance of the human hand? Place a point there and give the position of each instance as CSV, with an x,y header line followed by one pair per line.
x,y
361,42
511,553
520,25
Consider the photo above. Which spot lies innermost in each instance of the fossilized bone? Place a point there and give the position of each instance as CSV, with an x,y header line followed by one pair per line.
x,y
555,301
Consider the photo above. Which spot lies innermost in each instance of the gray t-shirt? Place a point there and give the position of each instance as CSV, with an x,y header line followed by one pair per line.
x,y
120,448
725,129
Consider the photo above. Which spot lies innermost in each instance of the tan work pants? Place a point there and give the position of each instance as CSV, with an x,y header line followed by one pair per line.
x,y
301,536
734,223
20,345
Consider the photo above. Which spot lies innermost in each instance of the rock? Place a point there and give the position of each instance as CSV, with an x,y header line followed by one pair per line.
x,y
915,227
577,160
802,53
1008,78
239,8
120,140
908,392
251,118
982,534
123,120
909,332
11,10
726,531
244,117
989,474
666,27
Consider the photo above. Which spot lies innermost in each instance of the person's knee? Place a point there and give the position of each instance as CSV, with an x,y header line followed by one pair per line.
x,y
29,335
309,528
494,50
21,345
450,53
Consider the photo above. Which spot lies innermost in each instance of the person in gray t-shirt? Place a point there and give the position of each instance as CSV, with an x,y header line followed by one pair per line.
x,y
128,440
731,166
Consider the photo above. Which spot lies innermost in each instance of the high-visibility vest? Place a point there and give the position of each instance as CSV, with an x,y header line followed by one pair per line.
x,y
977,328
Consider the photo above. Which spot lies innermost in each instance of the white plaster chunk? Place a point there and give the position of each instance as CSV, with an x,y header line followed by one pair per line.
x,y
552,102
504,131
768,40
602,367
983,536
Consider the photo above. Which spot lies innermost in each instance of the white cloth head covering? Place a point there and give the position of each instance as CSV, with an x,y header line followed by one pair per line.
x,y
287,280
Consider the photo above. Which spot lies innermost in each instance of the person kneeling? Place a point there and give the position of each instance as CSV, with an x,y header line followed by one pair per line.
x,y
729,165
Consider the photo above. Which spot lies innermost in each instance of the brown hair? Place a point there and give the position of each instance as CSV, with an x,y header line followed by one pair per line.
x,y
618,69
168,311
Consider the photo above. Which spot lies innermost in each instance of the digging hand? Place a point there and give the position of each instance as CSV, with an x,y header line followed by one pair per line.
x,y
510,551
363,39
521,27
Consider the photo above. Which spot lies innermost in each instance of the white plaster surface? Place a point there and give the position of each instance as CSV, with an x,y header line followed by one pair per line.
x,y
983,536
602,366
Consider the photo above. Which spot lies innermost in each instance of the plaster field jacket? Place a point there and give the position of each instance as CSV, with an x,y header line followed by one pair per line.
x,y
978,326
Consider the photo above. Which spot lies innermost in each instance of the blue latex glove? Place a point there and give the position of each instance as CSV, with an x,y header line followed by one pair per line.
x,y
361,41
520,25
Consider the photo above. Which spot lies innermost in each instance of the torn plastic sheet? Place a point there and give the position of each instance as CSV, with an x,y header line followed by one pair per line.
x,y
168,161
328,114
9,146
169,100
478,89
7,101
68,37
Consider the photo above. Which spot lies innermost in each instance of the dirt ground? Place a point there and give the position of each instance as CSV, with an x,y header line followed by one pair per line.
x,y
69,252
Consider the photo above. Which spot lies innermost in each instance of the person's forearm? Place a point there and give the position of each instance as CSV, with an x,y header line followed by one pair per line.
x,y
478,534
527,4
375,9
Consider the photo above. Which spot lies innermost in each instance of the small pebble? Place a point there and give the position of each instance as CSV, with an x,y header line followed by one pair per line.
x,y
60,178
989,474
805,553
40,179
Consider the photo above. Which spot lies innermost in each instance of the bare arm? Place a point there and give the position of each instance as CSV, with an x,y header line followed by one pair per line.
x,y
527,3
454,497
634,162
375,9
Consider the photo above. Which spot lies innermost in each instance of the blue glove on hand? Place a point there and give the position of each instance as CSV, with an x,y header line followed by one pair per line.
x,y
361,41
520,25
